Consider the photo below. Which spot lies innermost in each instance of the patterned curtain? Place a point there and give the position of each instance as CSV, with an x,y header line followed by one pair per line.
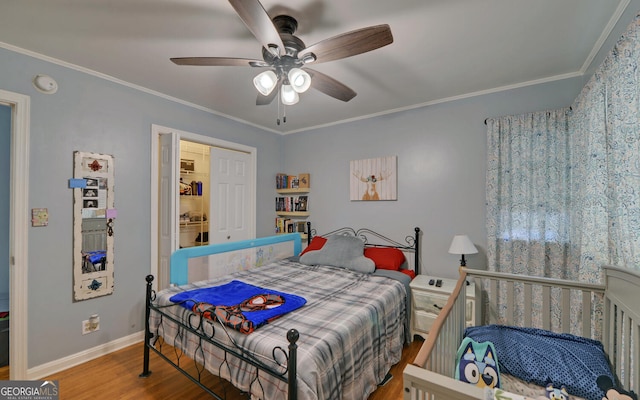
x,y
528,194
563,187
605,130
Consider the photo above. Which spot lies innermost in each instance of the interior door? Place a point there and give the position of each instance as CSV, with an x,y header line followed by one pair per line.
x,y
230,195
169,160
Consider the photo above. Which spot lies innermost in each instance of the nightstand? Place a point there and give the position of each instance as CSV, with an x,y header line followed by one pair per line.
x,y
427,301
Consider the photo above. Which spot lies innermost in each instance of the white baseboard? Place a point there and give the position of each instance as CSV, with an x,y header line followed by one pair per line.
x,y
53,367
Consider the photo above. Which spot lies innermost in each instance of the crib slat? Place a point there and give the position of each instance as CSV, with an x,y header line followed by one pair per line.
x,y
546,307
566,310
528,304
608,335
491,317
511,303
619,319
586,314
626,346
478,303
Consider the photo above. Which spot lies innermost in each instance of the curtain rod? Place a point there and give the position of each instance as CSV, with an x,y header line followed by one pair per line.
x,y
570,110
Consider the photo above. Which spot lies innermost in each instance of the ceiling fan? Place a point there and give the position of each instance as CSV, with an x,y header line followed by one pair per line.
x,y
287,57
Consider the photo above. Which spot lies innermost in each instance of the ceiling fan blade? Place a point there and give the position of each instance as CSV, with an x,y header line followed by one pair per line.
x,y
219,61
349,44
255,17
330,86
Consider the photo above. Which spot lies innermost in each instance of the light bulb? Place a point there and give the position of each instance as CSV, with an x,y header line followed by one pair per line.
x,y
265,82
300,80
289,96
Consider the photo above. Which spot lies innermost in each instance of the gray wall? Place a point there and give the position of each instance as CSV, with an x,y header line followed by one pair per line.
x,y
441,153
5,152
92,114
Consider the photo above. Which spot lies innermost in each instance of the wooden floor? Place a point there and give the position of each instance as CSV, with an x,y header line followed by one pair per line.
x,y
115,376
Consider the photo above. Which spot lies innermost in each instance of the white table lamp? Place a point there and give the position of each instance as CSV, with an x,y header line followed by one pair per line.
x,y
461,244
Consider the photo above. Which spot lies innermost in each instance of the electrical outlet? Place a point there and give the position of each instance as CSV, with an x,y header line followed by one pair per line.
x,y
91,325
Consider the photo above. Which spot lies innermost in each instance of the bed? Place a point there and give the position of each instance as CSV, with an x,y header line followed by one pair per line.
x,y
340,343
552,306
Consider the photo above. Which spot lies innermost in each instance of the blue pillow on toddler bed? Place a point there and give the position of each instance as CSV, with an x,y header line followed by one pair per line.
x,y
541,357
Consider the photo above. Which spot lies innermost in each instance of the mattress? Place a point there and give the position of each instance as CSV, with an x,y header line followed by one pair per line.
x,y
351,331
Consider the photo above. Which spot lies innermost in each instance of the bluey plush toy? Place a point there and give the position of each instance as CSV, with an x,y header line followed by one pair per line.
x,y
555,393
477,364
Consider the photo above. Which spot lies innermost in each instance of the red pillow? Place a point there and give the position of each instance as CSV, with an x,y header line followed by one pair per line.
x,y
409,272
385,257
316,244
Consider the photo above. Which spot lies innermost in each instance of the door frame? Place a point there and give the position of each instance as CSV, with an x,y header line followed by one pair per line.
x,y
156,131
18,231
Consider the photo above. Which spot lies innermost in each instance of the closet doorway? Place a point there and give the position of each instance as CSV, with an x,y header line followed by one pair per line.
x,y
203,192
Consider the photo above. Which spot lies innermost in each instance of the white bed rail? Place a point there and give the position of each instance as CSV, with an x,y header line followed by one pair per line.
x,y
430,376
538,302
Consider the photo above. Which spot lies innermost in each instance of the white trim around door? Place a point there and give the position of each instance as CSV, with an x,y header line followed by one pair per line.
x,y
18,232
156,131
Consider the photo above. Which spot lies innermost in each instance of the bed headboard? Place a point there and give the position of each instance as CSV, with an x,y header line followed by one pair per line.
x,y
411,245
206,262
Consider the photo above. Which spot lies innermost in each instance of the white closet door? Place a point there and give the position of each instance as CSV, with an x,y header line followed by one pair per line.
x,y
230,195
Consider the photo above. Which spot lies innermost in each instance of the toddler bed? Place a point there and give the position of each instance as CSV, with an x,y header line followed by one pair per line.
x,y
339,341
546,307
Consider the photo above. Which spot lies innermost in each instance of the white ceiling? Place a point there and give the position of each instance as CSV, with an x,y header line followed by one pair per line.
x,y
442,49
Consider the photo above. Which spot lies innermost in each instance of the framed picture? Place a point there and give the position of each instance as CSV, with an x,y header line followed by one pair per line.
x,y
374,179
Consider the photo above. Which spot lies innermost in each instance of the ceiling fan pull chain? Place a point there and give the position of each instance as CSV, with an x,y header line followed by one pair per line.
x,y
278,119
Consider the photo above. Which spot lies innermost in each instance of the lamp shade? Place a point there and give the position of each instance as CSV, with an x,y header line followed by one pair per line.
x,y
461,244
265,82
289,96
300,80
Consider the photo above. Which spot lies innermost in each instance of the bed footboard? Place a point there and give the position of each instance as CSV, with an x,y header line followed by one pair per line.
x,y
194,372
215,259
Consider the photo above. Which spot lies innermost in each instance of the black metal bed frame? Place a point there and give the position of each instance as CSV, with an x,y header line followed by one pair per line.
x,y
412,243
196,324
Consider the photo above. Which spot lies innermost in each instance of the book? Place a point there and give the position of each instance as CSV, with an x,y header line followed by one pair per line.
x,y
302,203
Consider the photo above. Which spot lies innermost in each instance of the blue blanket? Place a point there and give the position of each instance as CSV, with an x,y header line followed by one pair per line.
x,y
541,357
223,299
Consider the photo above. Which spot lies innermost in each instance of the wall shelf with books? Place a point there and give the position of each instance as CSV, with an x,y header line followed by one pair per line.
x,y
292,203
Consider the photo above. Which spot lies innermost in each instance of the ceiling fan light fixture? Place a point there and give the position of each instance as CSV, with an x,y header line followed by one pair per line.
x,y
289,96
265,82
300,80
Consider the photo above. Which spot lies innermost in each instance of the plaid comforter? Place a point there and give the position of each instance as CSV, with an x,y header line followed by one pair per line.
x,y
351,331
